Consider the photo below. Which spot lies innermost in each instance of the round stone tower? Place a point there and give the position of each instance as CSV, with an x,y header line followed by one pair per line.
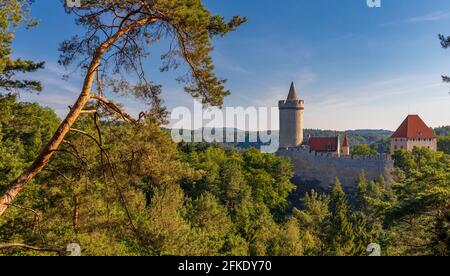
x,y
291,120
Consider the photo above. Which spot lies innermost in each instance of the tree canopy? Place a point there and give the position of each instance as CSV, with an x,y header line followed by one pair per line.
x,y
125,189
363,150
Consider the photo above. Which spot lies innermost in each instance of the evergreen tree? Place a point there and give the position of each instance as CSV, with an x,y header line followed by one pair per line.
x,y
341,236
212,224
21,135
124,31
444,144
12,14
313,219
418,222
445,43
361,191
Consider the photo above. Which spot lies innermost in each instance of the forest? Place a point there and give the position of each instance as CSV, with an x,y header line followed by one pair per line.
x,y
138,193
119,186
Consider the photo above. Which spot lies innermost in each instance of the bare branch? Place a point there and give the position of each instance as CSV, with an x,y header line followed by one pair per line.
x,y
88,111
121,194
37,216
112,106
4,246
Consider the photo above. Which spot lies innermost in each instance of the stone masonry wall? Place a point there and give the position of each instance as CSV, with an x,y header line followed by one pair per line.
x,y
323,169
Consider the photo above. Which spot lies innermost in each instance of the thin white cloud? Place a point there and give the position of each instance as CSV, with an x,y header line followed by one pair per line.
x,y
379,104
429,17
63,85
229,65
434,16
380,91
304,77
271,96
52,77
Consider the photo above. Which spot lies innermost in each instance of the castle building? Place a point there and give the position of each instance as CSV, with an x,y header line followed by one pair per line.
x,y
291,120
325,145
413,132
291,129
320,160
345,151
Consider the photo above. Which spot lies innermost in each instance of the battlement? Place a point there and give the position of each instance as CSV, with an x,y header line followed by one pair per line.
x,y
306,150
290,104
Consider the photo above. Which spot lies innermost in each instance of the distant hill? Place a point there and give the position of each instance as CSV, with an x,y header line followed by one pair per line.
x,y
443,134
356,137
442,131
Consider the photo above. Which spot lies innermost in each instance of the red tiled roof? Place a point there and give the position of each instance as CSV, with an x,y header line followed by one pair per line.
x,y
323,144
345,142
413,127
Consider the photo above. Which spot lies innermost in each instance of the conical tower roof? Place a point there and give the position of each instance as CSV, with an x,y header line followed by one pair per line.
x,y
293,93
346,144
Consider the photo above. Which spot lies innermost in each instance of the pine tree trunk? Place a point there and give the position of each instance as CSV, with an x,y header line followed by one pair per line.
x,y
47,153
76,212
45,156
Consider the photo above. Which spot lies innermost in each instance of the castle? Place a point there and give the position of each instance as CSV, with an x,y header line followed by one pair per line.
x,y
413,132
319,160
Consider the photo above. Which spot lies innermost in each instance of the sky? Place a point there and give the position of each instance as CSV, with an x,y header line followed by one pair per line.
x,y
355,67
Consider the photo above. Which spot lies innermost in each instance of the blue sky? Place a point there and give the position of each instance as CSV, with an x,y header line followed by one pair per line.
x,y
355,67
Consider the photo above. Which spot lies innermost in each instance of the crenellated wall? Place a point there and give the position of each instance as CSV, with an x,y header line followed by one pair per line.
x,y
323,168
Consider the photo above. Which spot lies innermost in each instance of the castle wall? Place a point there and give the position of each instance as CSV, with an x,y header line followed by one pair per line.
x,y
323,169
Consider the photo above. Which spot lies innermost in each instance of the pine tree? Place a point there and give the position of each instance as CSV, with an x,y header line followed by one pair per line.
x,y
361,191
445,43
313,219
341,236
123,31
12,14
418,221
